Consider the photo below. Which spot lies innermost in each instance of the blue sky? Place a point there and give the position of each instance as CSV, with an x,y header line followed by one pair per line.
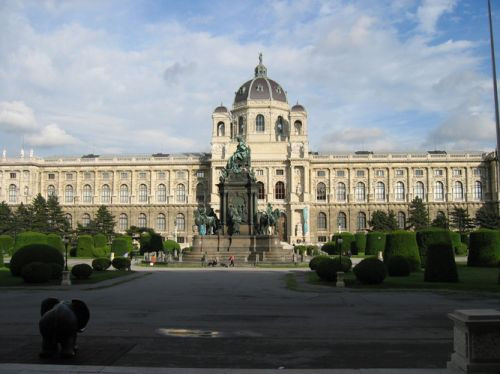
x,y
144,76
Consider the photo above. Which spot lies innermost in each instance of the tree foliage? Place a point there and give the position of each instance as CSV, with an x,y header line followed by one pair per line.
x,y
487,217
382,221
440,222
6,219
418,216
460,220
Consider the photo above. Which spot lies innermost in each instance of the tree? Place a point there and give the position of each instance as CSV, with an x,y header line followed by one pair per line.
x,y
23,218
487,217
381,221
418,215
58,223
40,219
459,219
6,219
104,221
440,222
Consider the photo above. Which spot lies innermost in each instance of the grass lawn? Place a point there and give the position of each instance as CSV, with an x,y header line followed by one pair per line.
x,y
470,279
7,280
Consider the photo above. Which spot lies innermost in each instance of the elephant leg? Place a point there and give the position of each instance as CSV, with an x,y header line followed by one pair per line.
x,y
49,347
68,345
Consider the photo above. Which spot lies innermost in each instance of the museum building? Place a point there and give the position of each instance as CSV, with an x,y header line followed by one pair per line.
x,y
318,193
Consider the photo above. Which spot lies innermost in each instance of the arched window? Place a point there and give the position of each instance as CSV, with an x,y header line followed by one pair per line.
x,y
341,192
12,193
87,194
220,129
439,191
298,127
241,126
440,214
401,220
260,123
142,221
161,222
68,194
321,192
342,221
361,221
321,221
200,193
280,128
161,193
26,190
359,191
180,193
124,194
261,195
105,194
51,191
478,190
123,222
143,193
279,191
400,191
419,190
69,218
380,191
180,223
458,191
85,219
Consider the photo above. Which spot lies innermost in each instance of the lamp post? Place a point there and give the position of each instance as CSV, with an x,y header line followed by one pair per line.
x,y
340,274
110,243
66,279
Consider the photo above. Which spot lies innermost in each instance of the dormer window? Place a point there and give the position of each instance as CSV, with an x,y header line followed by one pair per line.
x,y
242,90
259,88
278,89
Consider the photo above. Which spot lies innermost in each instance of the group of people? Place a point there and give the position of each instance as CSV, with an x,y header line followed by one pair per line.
x,y
214,262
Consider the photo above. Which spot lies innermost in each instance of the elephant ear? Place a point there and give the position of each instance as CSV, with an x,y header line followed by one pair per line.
x,y
48,304
81,312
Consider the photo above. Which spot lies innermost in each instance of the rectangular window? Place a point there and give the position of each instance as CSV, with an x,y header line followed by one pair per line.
x,y
321,173
69,176
379,173
161,175
399,172
457,172
200,174
321,239
26,174
105,175
180,239
438,172
360,173
259,172
477,172
280,172
52,176
340,173
12,175
123,175
87,175
419,173
142,175
180,174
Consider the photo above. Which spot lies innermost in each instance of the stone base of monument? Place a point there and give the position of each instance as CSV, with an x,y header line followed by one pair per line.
x,y
244,248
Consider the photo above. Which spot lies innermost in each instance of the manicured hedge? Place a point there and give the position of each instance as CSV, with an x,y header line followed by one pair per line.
x,y
431,236
327,269
122,245
344,263
36,272
359,243
456,242
329,247
100,240
484,248
55,241
375,243
347,243
81,271
370,271
1,259
121,263
398,266
101,264
6,244
85,246
34,253
403,243
29,237
441,266
316,260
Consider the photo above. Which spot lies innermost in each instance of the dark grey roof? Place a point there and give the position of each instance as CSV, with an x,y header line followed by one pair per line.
x,y
260,88
220,109
298,108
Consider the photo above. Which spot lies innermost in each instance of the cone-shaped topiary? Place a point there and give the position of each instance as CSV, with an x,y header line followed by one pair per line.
x,y
55,241
359,243
347,243
370,271
375,243
403,243
398,266
85,246
29,237
34,253
427,237
6,244
122,245
484,248
441,266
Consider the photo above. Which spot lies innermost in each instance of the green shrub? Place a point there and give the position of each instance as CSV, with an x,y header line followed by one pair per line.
x,y
316,260
6,244
344,263
327,269
29,237
484,248
1,259
101,264
464,238
100,240
398,266
122,245
36,272
81,271
301,249
34,253
99,252
430,236
312,250
85,246
359,243
55,241
370,271
403,243
441,265
121,263
56,271
171,246
329,247
461,249
156,242
347,243
375,243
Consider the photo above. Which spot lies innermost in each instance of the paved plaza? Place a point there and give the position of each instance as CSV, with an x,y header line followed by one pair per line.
x,y
242,318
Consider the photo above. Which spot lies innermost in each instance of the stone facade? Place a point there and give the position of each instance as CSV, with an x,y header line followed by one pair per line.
x,y
318,193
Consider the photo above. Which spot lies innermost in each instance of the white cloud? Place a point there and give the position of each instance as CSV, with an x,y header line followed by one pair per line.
x,y
51,136
430,11
16,116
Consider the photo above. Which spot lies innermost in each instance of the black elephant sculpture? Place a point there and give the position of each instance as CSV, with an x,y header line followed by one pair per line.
x,y
60,322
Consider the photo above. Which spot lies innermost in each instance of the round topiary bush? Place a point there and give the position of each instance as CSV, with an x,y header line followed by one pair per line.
x,y
370,271
329,247
327,269
460,249
121,263
344,263
81,271
375,243
441,266
316,260
36,272
398,266
34,253
56,271
430,236
101,264
403,243
484,248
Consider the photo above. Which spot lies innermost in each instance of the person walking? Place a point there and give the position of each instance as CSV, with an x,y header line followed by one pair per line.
x,y
231,260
